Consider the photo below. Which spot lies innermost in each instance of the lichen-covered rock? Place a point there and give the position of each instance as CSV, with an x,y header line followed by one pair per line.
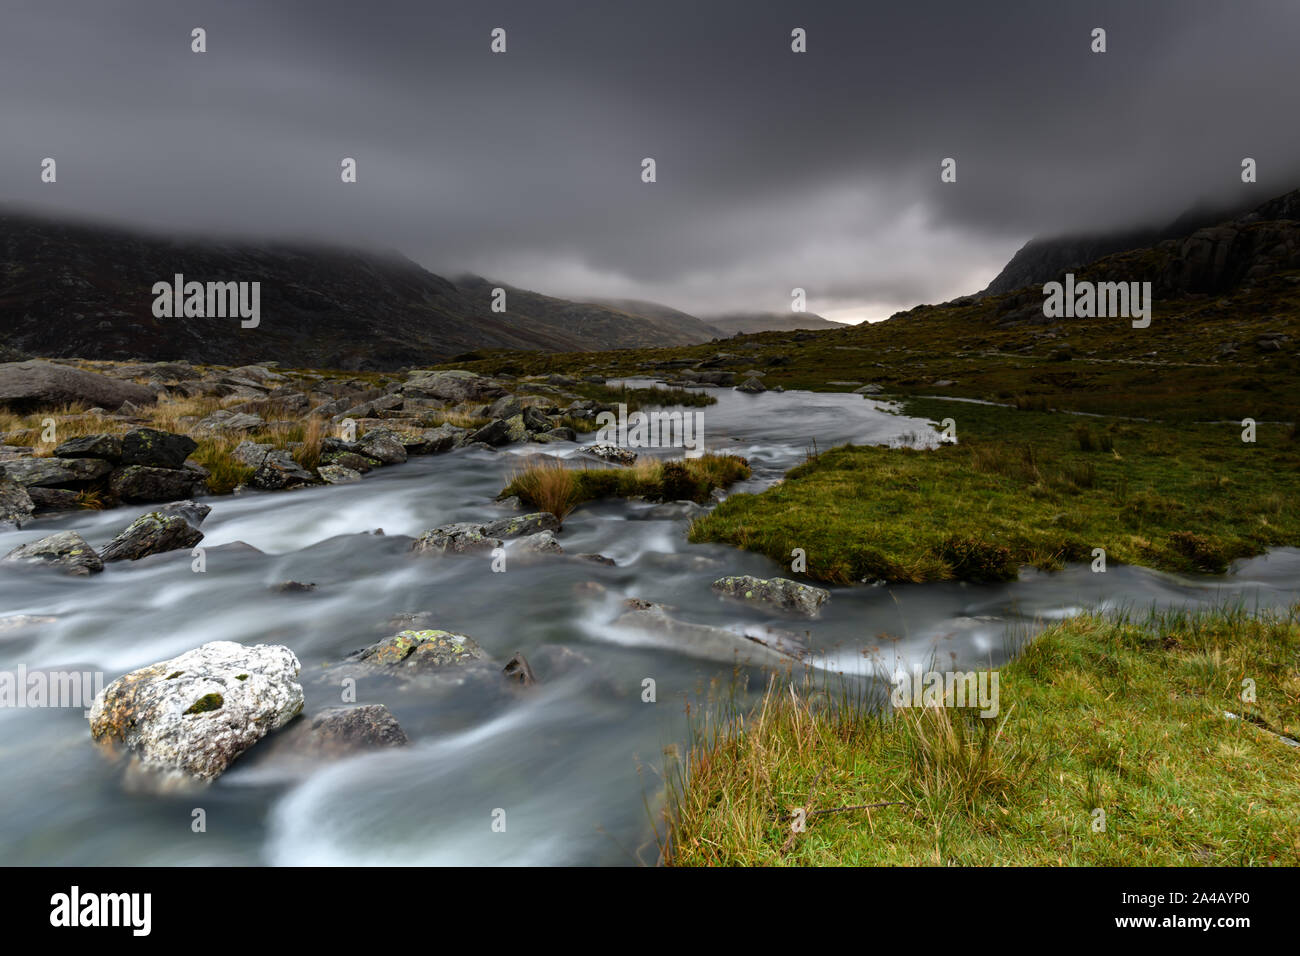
x,y
337,474
152,533
225,420
251,453
752,386
556,435
156,449
382,445
608,452
503,431
461,538
422,650
143,483
193,715
66,551
517,526
16,504
108,447
278,470
350,459
56,472
780,593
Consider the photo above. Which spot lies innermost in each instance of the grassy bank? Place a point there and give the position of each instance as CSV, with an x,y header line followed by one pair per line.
x,y
554,487
1026,487
1122,716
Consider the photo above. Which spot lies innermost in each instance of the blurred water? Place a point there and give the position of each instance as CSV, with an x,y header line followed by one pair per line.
x,y
572,763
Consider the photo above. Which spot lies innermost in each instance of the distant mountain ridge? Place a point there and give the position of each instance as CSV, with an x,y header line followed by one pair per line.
x,y
84,290
737,323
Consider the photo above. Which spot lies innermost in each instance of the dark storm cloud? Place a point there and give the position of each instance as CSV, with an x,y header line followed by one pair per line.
x,y
775,170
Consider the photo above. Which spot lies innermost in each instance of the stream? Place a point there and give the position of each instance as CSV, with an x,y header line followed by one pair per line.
x,y
574,761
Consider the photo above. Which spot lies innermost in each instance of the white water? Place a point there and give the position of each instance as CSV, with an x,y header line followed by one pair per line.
x,y
571,763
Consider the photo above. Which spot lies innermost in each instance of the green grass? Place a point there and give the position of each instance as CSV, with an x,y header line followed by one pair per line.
x,y
1024,487
1115,714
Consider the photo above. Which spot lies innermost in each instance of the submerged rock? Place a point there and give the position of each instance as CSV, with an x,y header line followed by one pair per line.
x,y
342,731
66,551
780,593
753,646
193,715
152,533
543,542
518,670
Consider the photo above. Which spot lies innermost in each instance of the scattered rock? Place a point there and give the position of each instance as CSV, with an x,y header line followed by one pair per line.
x,y
225,420
66,550
56,472
193,715
16,504
751,386
462,538
152,533
156,449
279,471
781,593
28,386
342,731
381,445
517,526
108,447
608,452
192,511
142,483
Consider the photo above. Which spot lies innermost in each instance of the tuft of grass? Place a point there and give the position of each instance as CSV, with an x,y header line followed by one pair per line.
x,y
552,486
1113,747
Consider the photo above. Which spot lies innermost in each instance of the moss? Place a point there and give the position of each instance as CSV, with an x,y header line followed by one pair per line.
x,y
174,674
206,703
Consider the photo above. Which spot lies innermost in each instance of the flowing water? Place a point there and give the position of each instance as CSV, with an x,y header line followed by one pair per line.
x,y
573,762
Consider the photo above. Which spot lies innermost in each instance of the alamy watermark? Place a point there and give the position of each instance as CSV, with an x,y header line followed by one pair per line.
x,y
947,689
1101,300
675,429
211,300
49,688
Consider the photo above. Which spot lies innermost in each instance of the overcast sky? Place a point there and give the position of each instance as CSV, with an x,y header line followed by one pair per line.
x,y
775,169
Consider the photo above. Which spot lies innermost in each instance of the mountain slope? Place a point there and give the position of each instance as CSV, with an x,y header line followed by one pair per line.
x,y
1041,260
70,289
741,323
